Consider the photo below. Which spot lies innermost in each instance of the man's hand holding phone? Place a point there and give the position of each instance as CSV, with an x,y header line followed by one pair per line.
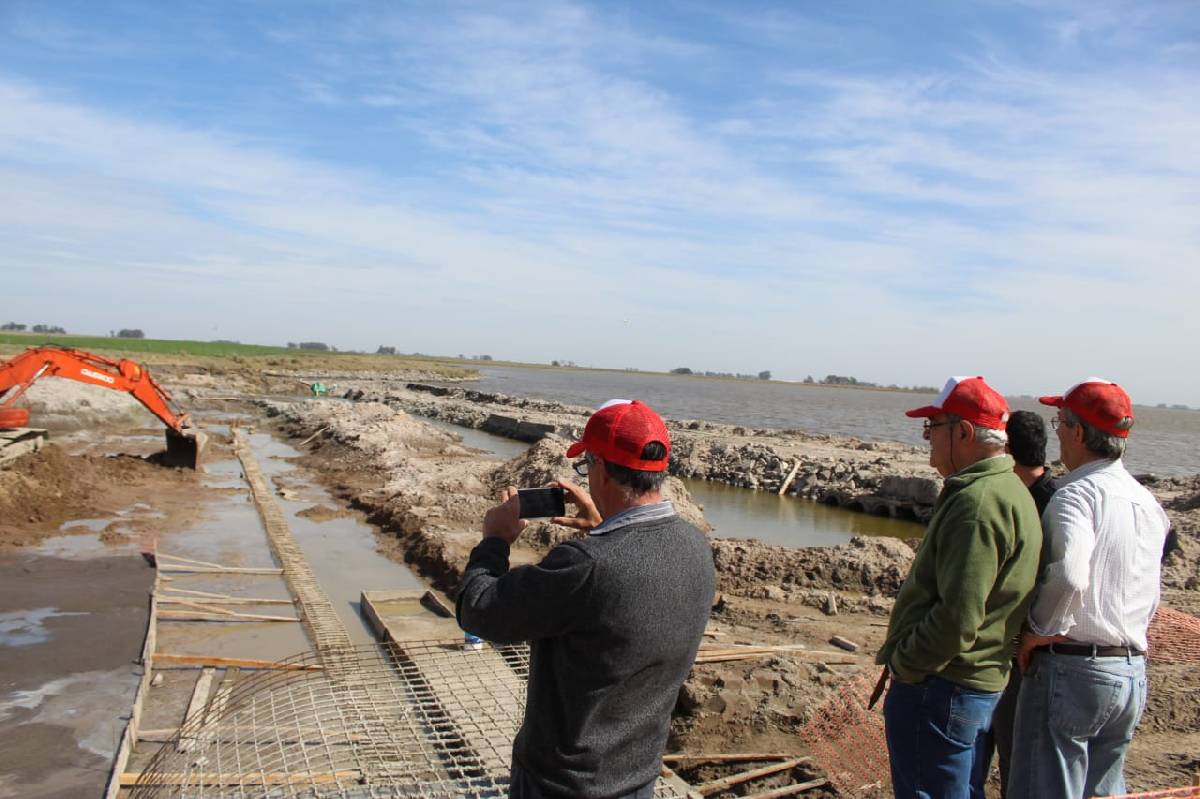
x,y
586,517
504,521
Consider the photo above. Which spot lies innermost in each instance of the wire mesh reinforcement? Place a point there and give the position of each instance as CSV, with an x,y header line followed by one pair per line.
x,y
301,734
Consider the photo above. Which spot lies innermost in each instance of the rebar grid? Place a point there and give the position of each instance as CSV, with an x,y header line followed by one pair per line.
x,y
373,725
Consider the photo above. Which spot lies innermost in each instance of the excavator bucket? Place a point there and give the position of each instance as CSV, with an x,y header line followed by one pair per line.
x,y
185,449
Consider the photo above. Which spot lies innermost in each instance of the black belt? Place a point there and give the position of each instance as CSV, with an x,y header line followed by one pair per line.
x,y
1092,651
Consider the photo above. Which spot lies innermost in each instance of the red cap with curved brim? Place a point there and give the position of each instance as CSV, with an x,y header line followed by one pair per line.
x,y
1099,402
968,398
619,431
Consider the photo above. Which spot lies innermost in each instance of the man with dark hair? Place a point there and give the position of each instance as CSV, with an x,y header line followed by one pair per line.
x,y
949,643
614,618
1083,654
1027,445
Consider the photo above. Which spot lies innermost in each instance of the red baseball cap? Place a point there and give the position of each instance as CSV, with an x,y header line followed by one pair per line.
x,y
969,398
1099,402
619,431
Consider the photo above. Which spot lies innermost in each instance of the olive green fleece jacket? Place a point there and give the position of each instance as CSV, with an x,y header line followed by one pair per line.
x,y
965,597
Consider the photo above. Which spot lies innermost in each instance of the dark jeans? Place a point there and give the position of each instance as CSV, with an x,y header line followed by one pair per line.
x,y
999,740
935,732
521,787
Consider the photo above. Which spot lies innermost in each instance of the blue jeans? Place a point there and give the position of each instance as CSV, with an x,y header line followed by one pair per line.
x,y
1075,719
935,736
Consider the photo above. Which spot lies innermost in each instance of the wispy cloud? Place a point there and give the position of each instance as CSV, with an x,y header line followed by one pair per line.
x,y
439,180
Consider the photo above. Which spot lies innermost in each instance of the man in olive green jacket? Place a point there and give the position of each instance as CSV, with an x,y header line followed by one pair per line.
x,y
949,642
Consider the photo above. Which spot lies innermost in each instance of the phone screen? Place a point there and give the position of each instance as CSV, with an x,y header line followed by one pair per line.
x,y
538,503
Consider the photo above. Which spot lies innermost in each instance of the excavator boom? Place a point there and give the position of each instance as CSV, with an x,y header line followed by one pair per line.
x,y
185,444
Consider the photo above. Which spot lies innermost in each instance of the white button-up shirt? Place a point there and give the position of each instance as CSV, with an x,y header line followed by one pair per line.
x,y
1104,541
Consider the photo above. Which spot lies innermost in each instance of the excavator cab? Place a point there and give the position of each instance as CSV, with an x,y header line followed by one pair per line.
x,y
185,443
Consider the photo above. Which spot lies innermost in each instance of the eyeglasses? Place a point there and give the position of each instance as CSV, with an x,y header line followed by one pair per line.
x,y
581,466
1057,422
930,424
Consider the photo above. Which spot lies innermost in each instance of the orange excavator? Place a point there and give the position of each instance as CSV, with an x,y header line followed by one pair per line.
x,y
185,444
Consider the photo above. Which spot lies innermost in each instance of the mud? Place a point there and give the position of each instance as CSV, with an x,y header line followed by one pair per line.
x,y
41,493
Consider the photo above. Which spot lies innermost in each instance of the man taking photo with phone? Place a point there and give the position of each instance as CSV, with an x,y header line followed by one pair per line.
x,y
613,618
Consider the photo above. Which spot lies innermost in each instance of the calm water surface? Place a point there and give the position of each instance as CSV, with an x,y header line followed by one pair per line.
x,y
1165,442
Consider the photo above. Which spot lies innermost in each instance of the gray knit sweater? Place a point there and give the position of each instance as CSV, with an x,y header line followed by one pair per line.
x,y
614,622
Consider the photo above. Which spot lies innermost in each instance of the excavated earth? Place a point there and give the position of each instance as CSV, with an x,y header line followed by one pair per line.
x,y
426,492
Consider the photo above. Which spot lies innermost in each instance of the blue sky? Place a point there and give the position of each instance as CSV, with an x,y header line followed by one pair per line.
x,y
898,192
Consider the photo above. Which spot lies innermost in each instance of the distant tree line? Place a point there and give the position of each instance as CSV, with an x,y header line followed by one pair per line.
x,y
20,328
127,332
842,380
683,370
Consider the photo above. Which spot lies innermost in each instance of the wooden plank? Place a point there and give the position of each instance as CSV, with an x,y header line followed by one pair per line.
x,y
788,790
174,595
172,568
725,757
199,698
185,615
717,786
130,735
241,663
791,475
250,778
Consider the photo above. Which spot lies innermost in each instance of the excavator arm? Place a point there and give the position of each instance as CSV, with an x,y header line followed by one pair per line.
x,y
184,443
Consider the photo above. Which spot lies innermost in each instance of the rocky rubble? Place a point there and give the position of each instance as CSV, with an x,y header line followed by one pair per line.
x,y
883,478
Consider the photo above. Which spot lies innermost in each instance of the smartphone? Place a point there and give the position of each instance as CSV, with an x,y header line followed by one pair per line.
x,y
538,503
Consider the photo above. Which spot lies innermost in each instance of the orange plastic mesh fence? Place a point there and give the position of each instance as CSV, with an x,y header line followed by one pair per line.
x,y
1191,792
1174,637
847,740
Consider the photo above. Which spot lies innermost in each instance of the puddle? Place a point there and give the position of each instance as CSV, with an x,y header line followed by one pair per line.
x,y
93,704
341,551
502,448
788,521
27,627
79,525
80,547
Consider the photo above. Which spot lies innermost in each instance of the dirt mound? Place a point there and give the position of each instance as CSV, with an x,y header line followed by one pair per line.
x,y
866,565
41,491
1181,499
323,513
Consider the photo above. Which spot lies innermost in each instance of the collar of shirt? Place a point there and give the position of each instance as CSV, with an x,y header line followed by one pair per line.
x,y
635,515
1089,468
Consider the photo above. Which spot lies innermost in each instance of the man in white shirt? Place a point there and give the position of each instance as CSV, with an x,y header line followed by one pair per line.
x,y
1083,654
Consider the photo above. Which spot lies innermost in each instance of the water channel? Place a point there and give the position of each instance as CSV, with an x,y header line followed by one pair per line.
x,y
742,512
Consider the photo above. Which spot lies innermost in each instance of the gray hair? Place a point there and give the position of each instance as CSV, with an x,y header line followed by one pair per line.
x,y
1096,440
985,436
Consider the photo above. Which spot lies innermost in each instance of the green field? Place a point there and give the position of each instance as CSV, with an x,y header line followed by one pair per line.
x,y
216,354
167,346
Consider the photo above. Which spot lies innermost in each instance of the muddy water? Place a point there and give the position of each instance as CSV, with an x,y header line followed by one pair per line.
x,y
743,513
788,521
341,552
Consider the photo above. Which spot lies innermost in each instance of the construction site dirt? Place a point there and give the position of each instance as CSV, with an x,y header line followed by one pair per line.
x,y
380,498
